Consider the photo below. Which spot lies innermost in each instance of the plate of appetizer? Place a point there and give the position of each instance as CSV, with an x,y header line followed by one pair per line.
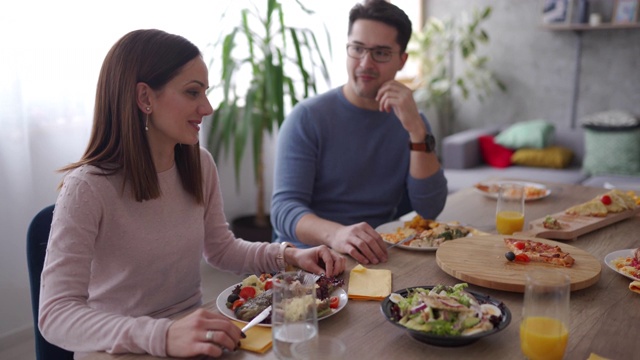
x,y
625,262
244,301
533,191
428,235
445,316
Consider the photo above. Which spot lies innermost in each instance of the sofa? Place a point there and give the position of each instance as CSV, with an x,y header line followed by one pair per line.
x,y
464,163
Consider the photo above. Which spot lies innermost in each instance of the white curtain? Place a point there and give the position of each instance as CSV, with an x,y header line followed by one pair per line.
x,y
50,57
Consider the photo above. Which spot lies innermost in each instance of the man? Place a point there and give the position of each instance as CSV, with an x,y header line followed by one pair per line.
x,y
345,158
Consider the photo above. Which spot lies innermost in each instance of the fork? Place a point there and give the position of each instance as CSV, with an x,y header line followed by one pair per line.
x,y
410,237
308,278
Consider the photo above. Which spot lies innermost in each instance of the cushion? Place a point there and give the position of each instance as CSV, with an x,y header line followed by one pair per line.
x,y
530,134
494,154
612,119
556,157
612,152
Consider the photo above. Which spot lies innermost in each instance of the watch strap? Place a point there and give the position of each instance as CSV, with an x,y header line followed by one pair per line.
x,y
421,146
428,145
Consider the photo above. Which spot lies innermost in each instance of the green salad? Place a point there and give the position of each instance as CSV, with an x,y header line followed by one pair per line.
x,y
444,310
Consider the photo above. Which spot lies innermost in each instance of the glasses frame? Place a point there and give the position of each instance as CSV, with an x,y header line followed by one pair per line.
x,y
370,51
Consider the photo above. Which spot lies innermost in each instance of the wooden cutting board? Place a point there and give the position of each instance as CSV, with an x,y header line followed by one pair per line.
x,y
574,226
480,260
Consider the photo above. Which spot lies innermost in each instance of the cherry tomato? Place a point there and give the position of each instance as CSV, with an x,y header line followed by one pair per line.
x,y
334,302
268,285
247,292
606,199
237,303
520,245
522,257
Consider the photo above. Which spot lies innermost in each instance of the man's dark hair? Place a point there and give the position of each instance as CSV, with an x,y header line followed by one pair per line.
x,y
385,12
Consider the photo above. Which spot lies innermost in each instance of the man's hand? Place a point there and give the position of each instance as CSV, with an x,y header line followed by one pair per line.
x,y
396,96
361,242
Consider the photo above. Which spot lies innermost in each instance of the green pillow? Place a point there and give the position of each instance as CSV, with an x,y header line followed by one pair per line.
x,y
535,134
612,152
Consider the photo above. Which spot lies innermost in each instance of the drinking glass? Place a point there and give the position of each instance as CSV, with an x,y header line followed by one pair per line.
x,y
294,317
323,347
510,208
544,330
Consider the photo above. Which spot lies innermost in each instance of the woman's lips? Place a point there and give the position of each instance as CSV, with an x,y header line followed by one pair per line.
x,y
195,124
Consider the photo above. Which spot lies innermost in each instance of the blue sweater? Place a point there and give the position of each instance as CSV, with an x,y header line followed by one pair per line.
x,y
347,165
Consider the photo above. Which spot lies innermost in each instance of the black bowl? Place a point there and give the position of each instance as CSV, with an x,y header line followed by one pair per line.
x,y
448,340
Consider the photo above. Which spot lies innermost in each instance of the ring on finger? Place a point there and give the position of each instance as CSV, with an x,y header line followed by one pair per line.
x,y
209,335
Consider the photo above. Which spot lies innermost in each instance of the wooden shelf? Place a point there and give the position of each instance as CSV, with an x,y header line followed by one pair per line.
x,y
587,27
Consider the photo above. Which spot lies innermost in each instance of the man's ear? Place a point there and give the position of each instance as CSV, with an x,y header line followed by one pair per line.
x,y
403,60
143,97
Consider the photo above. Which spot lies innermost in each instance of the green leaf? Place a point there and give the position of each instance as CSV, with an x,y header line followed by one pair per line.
x,y
487,12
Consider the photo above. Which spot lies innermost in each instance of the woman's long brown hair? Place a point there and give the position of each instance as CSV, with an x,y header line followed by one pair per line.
x,y
118,142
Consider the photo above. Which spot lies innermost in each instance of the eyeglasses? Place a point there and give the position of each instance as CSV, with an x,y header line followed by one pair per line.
x,y
378,54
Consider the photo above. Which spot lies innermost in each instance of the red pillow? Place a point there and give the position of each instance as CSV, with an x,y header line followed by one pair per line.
x,y
494,154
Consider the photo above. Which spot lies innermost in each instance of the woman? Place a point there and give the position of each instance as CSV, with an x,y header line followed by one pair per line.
x,y
137,212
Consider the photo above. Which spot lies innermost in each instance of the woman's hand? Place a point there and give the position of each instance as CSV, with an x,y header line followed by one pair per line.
x,y
187,337
318,260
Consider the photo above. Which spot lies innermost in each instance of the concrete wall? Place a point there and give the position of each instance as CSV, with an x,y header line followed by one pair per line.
x,y
538,66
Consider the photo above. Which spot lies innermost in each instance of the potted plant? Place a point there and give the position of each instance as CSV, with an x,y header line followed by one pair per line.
x,y
436,45
266,67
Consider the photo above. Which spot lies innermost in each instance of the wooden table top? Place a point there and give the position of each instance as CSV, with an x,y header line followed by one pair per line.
x,y
604,317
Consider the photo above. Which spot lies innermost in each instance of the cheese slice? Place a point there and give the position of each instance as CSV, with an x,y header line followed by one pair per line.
x,y
258,339
369,284
590,208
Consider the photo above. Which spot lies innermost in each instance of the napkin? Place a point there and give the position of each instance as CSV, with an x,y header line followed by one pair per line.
x,y
369,284
258,338
594,356
635,286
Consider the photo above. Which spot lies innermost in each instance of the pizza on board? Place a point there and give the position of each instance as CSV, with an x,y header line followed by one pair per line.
x,y
539,252
614,201
590,208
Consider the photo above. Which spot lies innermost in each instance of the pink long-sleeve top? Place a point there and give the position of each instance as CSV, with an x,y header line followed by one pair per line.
x,y
116,268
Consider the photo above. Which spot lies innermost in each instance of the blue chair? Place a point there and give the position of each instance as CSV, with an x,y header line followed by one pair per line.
x,y
37,238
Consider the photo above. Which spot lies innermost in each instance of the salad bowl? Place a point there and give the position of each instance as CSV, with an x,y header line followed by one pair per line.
x,y
387,307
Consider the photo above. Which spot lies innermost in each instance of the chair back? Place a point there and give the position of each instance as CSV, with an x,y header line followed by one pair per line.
x,y
37,238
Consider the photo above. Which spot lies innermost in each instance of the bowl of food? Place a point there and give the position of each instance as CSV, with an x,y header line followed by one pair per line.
x,y
445,316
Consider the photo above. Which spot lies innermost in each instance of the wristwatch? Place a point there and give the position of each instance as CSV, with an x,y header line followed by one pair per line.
x,y
428,145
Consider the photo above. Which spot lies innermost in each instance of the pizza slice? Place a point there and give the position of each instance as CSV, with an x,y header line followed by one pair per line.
x,y
613,202
590,208
623,199
539,251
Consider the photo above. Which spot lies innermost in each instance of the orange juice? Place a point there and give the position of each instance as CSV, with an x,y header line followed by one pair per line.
x,y
508,222
543,338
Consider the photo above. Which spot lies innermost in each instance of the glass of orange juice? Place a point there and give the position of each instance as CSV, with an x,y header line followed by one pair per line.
x,y
544,330
510,208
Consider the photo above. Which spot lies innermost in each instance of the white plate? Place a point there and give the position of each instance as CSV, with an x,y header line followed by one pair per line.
x,y
221,303
618,254
494,195
392,227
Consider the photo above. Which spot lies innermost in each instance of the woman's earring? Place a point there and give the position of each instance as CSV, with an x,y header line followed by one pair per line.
x,y
146,124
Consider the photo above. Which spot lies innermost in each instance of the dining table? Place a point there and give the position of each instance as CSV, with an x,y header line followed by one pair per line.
x,y
604,317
